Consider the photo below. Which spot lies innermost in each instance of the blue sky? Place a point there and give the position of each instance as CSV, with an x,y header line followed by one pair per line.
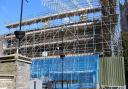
x,y
10,11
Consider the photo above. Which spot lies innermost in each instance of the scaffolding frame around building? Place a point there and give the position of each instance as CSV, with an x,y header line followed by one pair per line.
x,y
87,31
90,30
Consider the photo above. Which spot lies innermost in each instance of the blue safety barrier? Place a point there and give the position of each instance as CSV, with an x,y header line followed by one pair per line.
x,y
78,71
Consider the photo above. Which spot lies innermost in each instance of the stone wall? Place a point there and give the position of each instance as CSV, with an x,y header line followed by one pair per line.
x,y
14,72
7,75
23,75
8,68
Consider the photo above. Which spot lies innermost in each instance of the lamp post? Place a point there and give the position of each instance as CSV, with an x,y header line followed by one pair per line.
x,y
20,34
62,55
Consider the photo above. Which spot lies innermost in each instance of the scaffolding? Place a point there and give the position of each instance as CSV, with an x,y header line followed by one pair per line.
x,y
79,71
90,30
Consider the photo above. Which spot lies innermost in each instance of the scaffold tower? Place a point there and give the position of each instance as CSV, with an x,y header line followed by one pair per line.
x,y
91,30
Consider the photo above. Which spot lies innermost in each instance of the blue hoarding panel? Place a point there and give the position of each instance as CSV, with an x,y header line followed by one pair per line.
x,y
80,71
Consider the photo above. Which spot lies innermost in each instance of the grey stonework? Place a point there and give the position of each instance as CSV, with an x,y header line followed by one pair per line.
x,y
14,72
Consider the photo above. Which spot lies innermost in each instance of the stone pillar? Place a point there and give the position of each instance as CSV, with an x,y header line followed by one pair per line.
x,y
1,45
14,72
